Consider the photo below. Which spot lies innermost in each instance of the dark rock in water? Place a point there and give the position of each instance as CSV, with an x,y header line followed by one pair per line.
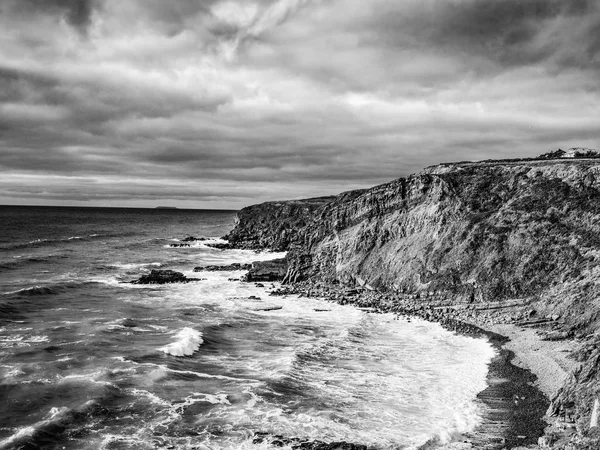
x,y
269,308
221,245
229,267
300,444
193,239
179,245
52,349
158,276
129,323
273,270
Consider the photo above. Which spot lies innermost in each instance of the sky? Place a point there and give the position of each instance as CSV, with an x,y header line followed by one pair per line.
x,y
227,103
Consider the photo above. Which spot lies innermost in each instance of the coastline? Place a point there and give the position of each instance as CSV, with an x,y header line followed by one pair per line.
x,y
509,247
519,386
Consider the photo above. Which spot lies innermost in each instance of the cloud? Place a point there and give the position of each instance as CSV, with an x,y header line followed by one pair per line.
x,y
77,13
232,102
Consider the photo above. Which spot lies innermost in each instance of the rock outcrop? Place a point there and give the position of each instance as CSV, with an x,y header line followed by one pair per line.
x,y
193,239
157,276
464,234
272,270
228,267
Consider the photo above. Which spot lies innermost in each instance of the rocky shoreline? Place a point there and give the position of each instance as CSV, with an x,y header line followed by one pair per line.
x,y
474,246
514,408
513,416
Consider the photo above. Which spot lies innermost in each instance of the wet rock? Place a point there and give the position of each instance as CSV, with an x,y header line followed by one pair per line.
x,y
221,245
273,270
160,276
129,323
179,245
300,444
193,239
229,267
269,308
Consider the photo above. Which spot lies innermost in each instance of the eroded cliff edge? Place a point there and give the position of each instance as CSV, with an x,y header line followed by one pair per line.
x,y
273,225
463,236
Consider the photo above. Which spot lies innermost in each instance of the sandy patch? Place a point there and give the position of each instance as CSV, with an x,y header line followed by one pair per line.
x,y
546,359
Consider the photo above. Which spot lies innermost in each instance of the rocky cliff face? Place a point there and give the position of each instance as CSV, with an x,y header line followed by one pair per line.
x,y
273,225
465,233
468,232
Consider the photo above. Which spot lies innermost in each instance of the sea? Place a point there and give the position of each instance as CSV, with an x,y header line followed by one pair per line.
x,y
90,361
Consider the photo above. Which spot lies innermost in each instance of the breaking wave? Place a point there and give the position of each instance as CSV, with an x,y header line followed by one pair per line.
x,y
53,289
188,341
43,241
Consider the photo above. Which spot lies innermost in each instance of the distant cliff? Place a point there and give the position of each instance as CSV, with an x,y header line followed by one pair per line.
x,y
273,225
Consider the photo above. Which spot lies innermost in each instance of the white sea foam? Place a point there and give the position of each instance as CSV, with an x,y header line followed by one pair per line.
x,y
207,375
132,266
56,411
37,241
188,341
153,398
21,340
11,371
23,433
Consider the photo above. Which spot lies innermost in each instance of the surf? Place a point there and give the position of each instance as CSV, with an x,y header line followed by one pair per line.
x,y
188,342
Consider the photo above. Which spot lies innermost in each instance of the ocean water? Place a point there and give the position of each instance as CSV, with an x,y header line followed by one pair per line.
x,y
90,361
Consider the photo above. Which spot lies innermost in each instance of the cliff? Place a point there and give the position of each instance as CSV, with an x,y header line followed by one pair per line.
x,y
471,232
273,225
467,232
501,232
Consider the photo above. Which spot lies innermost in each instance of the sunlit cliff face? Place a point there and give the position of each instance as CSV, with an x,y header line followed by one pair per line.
x,y
225,103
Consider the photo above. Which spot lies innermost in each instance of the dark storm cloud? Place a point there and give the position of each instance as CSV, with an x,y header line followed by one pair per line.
x,y
76,12
515,31
230,102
